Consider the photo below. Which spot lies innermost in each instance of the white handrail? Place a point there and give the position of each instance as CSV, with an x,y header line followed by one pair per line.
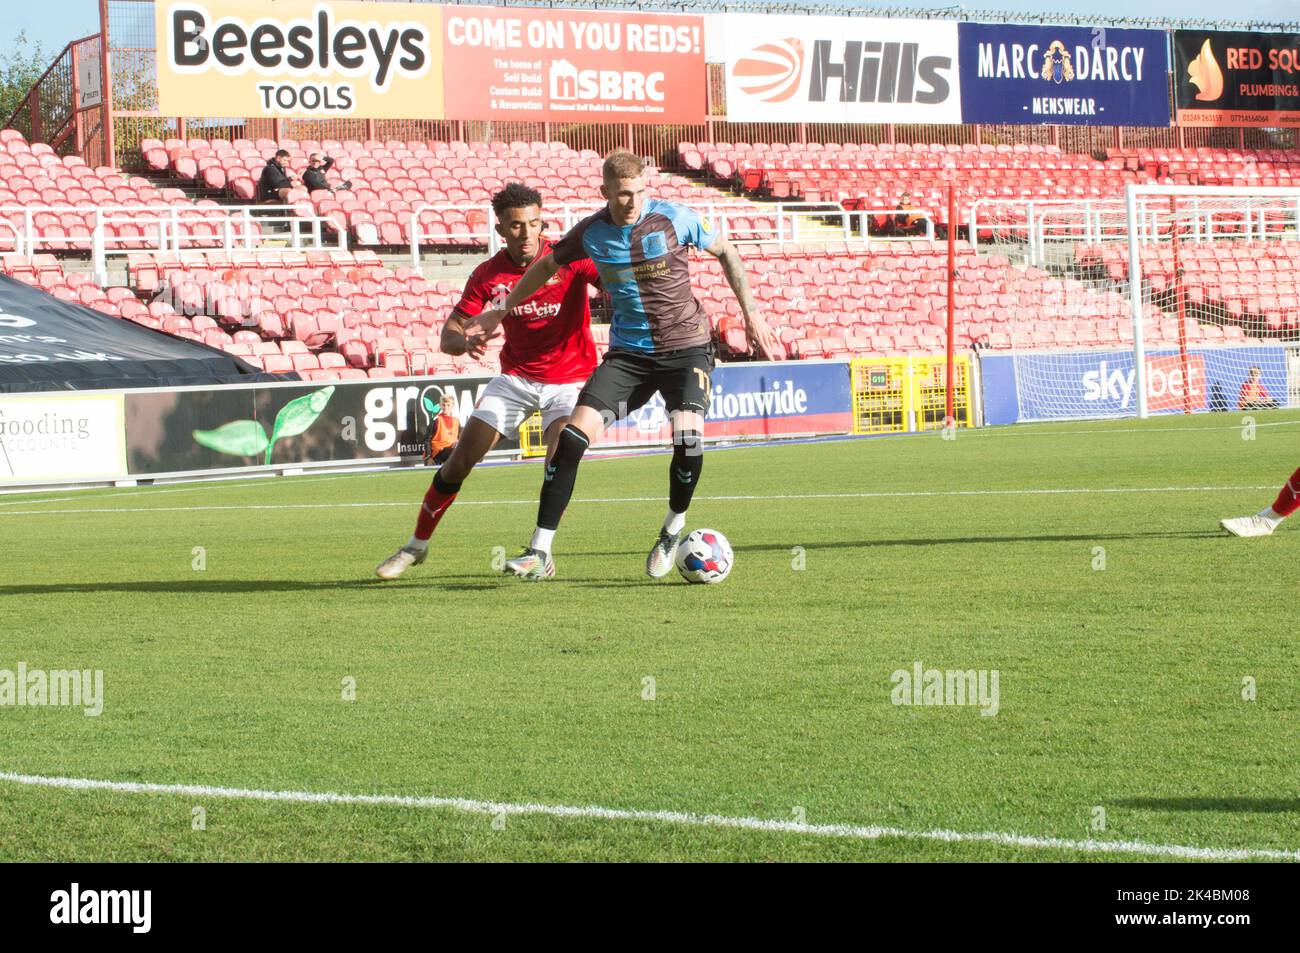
x,y
232,223
233,227
18,236
489,236
1097,219
786,217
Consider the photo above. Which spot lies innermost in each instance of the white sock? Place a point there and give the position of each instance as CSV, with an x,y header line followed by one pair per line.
x,y
542,539
1271,516
674,522
413,543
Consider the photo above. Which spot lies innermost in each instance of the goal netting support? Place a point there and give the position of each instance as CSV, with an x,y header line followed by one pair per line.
x,y
1176,299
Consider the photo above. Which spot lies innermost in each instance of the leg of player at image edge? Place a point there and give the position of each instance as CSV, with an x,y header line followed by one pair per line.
x,y
1265,521
535,562
441,494
683,477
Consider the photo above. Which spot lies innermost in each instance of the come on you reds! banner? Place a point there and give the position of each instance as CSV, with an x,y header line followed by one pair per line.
x,y
571,65
299,58
841,69
1237,79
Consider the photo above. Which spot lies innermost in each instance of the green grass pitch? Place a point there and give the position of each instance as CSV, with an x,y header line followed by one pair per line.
x,y
1125,631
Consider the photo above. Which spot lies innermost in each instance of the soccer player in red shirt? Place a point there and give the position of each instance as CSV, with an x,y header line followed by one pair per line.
x,y
1270,518
548,355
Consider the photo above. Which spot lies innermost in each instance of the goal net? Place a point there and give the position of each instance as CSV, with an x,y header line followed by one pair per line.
x,y
1176,299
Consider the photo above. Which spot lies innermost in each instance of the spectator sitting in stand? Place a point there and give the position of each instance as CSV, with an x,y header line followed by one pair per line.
x,y
906,222
276,183
314,178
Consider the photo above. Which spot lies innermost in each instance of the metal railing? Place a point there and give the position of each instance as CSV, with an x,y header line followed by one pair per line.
x,y
171,228
1264,213
790,223
17,239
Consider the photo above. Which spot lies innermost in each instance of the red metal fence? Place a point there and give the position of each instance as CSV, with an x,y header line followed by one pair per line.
x,y
53,110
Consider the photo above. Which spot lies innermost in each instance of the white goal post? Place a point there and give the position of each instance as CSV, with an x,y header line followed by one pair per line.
x,y
1234,224
1172,299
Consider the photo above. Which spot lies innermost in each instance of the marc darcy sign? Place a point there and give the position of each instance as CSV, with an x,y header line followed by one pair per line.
x,y
299,59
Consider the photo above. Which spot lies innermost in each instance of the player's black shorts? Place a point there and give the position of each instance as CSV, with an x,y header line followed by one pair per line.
x,y
626,380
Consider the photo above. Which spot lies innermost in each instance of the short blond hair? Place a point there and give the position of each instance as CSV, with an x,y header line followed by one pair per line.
x,y
621,164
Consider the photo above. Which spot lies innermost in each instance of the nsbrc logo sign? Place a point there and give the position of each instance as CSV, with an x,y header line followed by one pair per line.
x,y
841,69
541,65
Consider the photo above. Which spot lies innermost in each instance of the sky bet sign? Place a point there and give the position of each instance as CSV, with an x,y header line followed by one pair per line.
x,y
1067,385
1063,75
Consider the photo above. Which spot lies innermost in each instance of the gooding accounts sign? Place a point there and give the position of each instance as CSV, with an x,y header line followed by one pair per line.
x,y
298,58
1237,79
841,69
1063,75
61,437
573,65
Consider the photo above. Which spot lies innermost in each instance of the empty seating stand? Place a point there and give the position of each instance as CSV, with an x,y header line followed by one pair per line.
x,y
390,180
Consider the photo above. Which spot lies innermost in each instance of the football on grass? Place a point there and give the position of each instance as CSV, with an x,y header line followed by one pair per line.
x,y
704,556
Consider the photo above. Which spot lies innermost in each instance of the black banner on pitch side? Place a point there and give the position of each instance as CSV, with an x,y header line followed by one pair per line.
x,y
1236,79
50,344
234,427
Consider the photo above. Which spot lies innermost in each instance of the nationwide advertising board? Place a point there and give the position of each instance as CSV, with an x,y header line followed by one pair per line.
x,y
1063,75
1237,79
754,401
842,69
549,65
181,431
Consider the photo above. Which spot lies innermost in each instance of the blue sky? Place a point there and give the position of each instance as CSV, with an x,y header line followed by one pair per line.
x,y
55,22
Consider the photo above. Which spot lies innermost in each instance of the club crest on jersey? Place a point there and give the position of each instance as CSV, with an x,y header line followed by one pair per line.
x,y
654,245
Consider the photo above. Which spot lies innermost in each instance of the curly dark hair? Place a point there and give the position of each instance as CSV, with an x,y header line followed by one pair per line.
x,y
515,195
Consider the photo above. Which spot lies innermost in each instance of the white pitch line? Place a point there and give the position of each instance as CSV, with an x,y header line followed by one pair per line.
x,y
883,494
762,825
1015,431
197,486
613,453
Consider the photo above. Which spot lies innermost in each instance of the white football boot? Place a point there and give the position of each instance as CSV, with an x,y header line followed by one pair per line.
x,y
399,562
662,555
1248,526
531,564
